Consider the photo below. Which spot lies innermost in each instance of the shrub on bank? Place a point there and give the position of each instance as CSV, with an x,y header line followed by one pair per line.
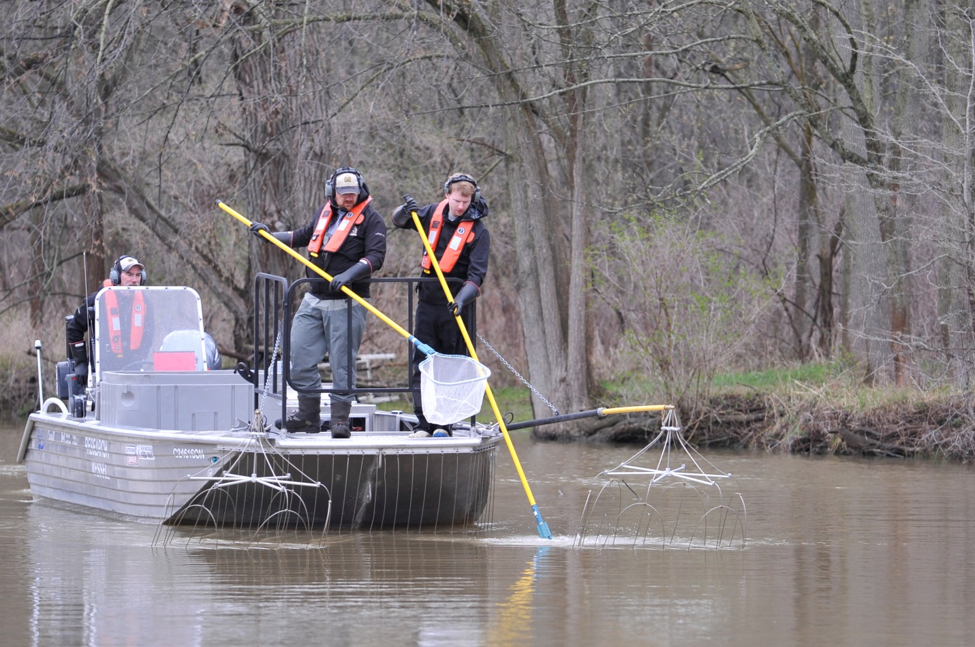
x,y
18,385
826,409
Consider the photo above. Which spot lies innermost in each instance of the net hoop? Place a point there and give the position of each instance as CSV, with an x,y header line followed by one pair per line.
x,y
452,387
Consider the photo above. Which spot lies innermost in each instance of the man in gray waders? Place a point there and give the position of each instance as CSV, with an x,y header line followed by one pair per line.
x,y
347,239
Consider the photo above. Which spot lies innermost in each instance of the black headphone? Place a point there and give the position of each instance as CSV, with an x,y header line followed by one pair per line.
x,y
115,275
463,177
330,185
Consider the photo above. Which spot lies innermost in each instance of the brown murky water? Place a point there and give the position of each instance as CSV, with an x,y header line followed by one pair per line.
x,y
837,552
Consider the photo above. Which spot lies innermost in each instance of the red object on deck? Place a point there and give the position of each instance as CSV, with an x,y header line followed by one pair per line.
x,y
181,360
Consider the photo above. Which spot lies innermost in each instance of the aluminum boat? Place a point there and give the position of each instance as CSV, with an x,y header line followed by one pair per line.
x,y
162,437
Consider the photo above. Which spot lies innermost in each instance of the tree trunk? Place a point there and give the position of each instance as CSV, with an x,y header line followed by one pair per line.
x,y
537,291
956,289
578,348
284,180
36,243
805,231
540,238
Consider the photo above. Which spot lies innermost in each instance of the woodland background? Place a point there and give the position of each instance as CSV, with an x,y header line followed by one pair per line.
x,y
676,188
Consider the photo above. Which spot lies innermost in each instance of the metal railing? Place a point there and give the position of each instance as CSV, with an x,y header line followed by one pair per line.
x,y
275,302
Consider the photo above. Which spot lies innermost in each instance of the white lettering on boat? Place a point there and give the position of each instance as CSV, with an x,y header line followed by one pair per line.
x,y
136,452
63,437
96,447
188,452
99,469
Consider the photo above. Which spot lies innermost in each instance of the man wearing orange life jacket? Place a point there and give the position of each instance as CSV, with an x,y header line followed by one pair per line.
x,y
347,239
128,326
462,244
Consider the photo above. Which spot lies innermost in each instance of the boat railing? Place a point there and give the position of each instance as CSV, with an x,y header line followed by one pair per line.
x,y
275,302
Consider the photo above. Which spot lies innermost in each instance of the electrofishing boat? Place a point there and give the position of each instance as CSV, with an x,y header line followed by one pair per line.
x,y
160,437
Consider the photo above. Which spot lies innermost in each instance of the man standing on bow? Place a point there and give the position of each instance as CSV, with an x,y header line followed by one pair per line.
x,y
462,244
347,239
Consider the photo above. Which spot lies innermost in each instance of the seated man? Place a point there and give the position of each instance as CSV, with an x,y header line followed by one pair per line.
x,y
130,328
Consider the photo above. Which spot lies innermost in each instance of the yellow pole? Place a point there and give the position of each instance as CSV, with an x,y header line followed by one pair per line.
x,y
643,408
424,348
543,529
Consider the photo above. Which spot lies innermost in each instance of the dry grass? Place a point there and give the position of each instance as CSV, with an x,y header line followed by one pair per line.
x,y
18,361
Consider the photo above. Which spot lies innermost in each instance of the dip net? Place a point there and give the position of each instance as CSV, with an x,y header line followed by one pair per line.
x,y
679,500
452,387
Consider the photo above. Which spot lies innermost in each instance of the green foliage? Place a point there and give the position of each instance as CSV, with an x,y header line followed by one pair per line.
x,y
773,379
835,384
510,399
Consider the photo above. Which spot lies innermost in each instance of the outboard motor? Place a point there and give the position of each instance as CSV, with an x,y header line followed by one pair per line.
x,y
65,369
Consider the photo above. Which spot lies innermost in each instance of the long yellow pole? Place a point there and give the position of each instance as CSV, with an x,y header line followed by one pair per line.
x,y
640,408
543,529
424,348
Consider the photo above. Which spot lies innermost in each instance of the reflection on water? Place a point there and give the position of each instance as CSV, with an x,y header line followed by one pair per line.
x,y
838,551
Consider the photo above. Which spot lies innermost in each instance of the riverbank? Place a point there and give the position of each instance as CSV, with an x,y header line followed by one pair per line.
x,y
921,427
940,429
814,408
828,419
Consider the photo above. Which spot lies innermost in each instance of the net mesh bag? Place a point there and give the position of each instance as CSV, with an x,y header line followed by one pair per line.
x,y
452,387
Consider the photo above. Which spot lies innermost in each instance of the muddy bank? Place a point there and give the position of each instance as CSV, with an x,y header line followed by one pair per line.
x,y
943,429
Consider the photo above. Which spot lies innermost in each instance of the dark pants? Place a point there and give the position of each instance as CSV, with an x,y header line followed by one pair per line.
x,y
437,327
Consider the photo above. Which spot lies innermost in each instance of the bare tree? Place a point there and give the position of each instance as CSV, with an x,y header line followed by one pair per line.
x,y
823,149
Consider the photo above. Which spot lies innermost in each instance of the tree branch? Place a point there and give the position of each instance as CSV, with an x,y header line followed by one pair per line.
x,y
10,212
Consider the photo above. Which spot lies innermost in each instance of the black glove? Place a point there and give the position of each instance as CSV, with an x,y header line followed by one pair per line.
x,y
410,205
358,271
80,356
81,375
257,228
403,216
467,293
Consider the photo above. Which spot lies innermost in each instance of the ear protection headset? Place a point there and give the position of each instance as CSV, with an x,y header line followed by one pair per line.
x,y
115,275
330,185
463,177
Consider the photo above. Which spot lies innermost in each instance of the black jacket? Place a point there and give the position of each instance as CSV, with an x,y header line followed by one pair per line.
x,y
79,324
473,262
366,241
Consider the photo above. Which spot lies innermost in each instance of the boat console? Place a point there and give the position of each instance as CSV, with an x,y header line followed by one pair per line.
x,y
151,364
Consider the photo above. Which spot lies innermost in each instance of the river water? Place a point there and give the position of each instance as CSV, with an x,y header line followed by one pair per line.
x,y
837,551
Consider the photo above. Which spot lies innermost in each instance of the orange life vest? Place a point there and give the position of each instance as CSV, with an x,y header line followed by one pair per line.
x,y
462,235
137,322
353,217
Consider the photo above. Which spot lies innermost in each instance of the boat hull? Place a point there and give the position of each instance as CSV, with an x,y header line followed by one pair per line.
x,y
244,479
158,435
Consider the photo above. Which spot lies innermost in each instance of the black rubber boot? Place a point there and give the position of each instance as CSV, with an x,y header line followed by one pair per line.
x,y
307,418
340,419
